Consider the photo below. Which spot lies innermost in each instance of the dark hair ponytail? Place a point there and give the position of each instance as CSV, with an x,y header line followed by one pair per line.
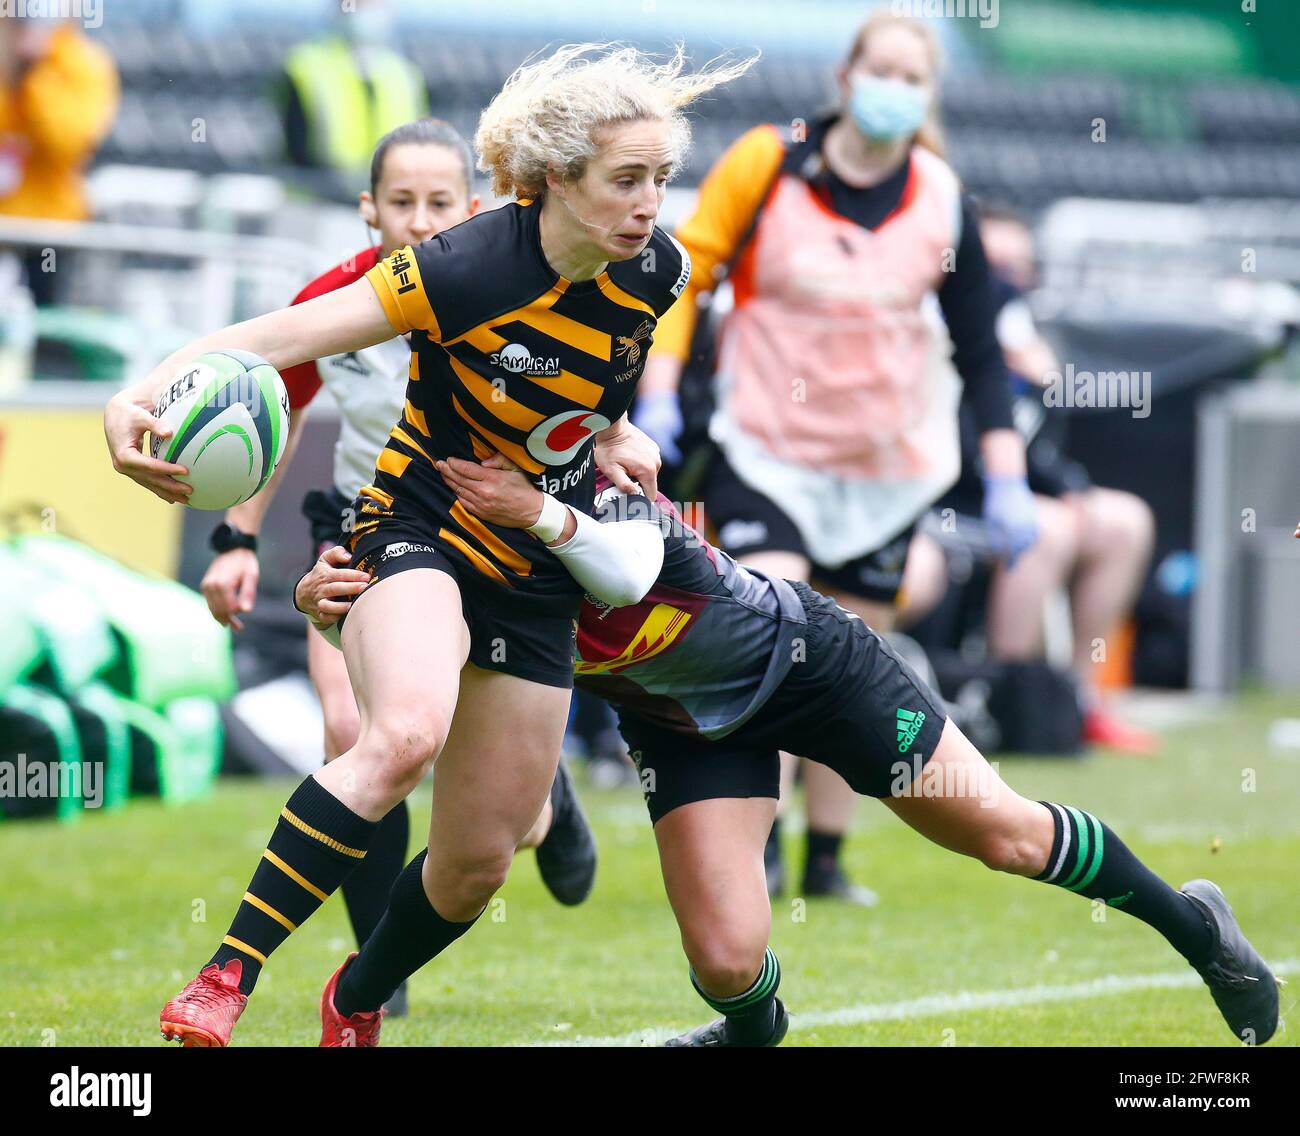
x,y
424,132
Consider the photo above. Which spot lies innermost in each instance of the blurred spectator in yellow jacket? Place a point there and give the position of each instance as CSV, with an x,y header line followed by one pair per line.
x,y
58,99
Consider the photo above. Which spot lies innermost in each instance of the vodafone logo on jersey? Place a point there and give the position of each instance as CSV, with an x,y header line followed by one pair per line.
x,y
559,438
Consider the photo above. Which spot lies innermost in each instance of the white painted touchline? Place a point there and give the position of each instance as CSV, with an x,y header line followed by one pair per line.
x,y
930,1005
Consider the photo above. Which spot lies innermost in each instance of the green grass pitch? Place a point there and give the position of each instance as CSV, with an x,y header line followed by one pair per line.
x,y
107,918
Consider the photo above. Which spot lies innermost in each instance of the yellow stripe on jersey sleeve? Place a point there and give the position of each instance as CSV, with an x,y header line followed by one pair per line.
x,y
396,281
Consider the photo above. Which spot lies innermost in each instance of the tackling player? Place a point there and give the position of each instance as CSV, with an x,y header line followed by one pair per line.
x,y
715,668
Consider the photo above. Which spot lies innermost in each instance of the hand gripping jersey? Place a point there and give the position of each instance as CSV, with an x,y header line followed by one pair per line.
x,y
705,648
369,385
507,355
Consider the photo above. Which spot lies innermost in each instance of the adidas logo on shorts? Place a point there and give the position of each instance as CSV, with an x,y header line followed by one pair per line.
x,y
909,725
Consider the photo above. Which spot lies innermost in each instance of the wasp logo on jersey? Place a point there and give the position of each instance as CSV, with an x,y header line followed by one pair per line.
x,y
629,350
558,439
629,346
518,360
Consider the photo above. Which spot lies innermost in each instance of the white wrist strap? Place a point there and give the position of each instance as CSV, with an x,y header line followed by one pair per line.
x,y
550,524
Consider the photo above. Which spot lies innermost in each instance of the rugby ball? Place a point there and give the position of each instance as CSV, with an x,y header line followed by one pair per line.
x,y
229,416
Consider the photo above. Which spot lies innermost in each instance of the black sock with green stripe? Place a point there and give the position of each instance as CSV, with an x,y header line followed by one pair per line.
x,y
317,842
1089,859
410,934
751,1014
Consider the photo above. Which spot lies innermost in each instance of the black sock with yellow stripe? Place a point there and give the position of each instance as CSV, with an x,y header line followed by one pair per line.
x,y
1089,859
317,842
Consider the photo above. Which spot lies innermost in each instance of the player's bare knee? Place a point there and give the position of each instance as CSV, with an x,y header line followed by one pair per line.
x,y
726,963
1015,855
467,884
1019,849
403,748
994,850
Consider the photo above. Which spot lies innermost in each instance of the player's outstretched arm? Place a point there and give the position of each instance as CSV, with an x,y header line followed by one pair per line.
x,y
616,560
344,320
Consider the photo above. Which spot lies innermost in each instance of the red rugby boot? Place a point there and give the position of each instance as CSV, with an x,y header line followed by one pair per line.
x,y
1102,728
203,1014
361,1030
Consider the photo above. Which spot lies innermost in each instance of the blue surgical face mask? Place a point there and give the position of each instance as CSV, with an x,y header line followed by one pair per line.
x,y
887,109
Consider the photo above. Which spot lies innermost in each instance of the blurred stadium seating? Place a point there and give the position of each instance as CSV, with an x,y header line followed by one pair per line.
x,y
1019,118
1154,152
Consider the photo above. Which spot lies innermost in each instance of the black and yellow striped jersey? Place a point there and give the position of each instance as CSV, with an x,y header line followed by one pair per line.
x,y
508,355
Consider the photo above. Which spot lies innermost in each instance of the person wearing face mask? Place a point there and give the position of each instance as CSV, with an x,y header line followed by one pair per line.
x,y
833,431
341,92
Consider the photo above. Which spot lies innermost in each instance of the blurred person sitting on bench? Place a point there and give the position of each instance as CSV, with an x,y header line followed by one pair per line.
x,y
1094,542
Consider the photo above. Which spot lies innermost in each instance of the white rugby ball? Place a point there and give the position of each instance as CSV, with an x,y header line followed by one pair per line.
x,y
229,416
